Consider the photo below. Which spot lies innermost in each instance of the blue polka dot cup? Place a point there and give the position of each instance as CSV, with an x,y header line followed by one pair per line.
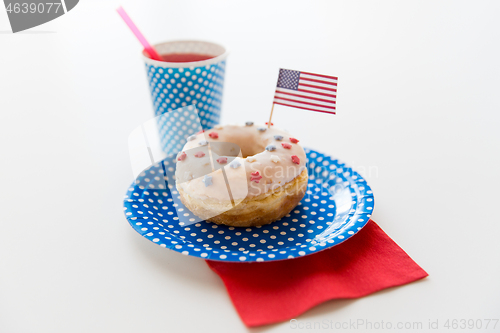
x,y
174,85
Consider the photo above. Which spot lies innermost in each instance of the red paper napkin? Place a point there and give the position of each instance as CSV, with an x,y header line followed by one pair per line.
x,y
269,292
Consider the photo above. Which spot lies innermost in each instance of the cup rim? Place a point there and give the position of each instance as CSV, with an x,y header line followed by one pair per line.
x,y
190,64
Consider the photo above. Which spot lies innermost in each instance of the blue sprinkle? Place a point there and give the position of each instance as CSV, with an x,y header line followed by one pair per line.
x,y
191,138
278,137
207,180
262,129
203,143
249,123
235,164
271,148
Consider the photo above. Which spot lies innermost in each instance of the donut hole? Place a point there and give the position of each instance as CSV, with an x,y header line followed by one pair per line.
x,y
244,143
228,149
253,150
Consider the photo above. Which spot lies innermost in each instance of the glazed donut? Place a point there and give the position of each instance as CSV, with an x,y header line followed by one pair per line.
x,y
241,176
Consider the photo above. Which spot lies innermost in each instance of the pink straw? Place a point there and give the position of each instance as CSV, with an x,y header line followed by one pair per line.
x,y
147,47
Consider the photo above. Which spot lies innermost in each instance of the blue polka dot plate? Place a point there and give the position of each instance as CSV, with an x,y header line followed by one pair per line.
x,y
337,204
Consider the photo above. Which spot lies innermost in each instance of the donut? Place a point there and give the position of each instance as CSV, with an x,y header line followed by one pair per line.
x,y
241,175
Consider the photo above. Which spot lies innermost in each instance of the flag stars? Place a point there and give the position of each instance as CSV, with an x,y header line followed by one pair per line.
x,y
288,79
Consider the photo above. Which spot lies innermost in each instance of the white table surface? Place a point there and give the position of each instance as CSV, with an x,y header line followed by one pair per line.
x,y
418,116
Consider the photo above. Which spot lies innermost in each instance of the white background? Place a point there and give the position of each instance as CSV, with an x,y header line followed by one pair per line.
x,y
418,116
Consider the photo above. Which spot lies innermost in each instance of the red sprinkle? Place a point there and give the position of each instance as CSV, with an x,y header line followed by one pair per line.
x,y
199,154
214,135
202,131
286,145
293,140
181,157
295,159
222,160
271,124
255,177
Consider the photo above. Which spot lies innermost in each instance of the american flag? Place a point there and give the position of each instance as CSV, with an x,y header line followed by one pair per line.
x,y
306,91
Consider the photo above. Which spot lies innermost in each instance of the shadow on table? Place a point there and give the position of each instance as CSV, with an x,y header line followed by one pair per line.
x,y
173,263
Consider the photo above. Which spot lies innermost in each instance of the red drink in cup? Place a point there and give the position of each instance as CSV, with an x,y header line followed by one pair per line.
x,y
185,57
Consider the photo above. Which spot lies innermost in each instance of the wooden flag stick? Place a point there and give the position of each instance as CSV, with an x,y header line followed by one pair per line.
x,y
270,117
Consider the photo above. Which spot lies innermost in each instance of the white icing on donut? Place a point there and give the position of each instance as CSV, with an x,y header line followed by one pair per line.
x,y
260,172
